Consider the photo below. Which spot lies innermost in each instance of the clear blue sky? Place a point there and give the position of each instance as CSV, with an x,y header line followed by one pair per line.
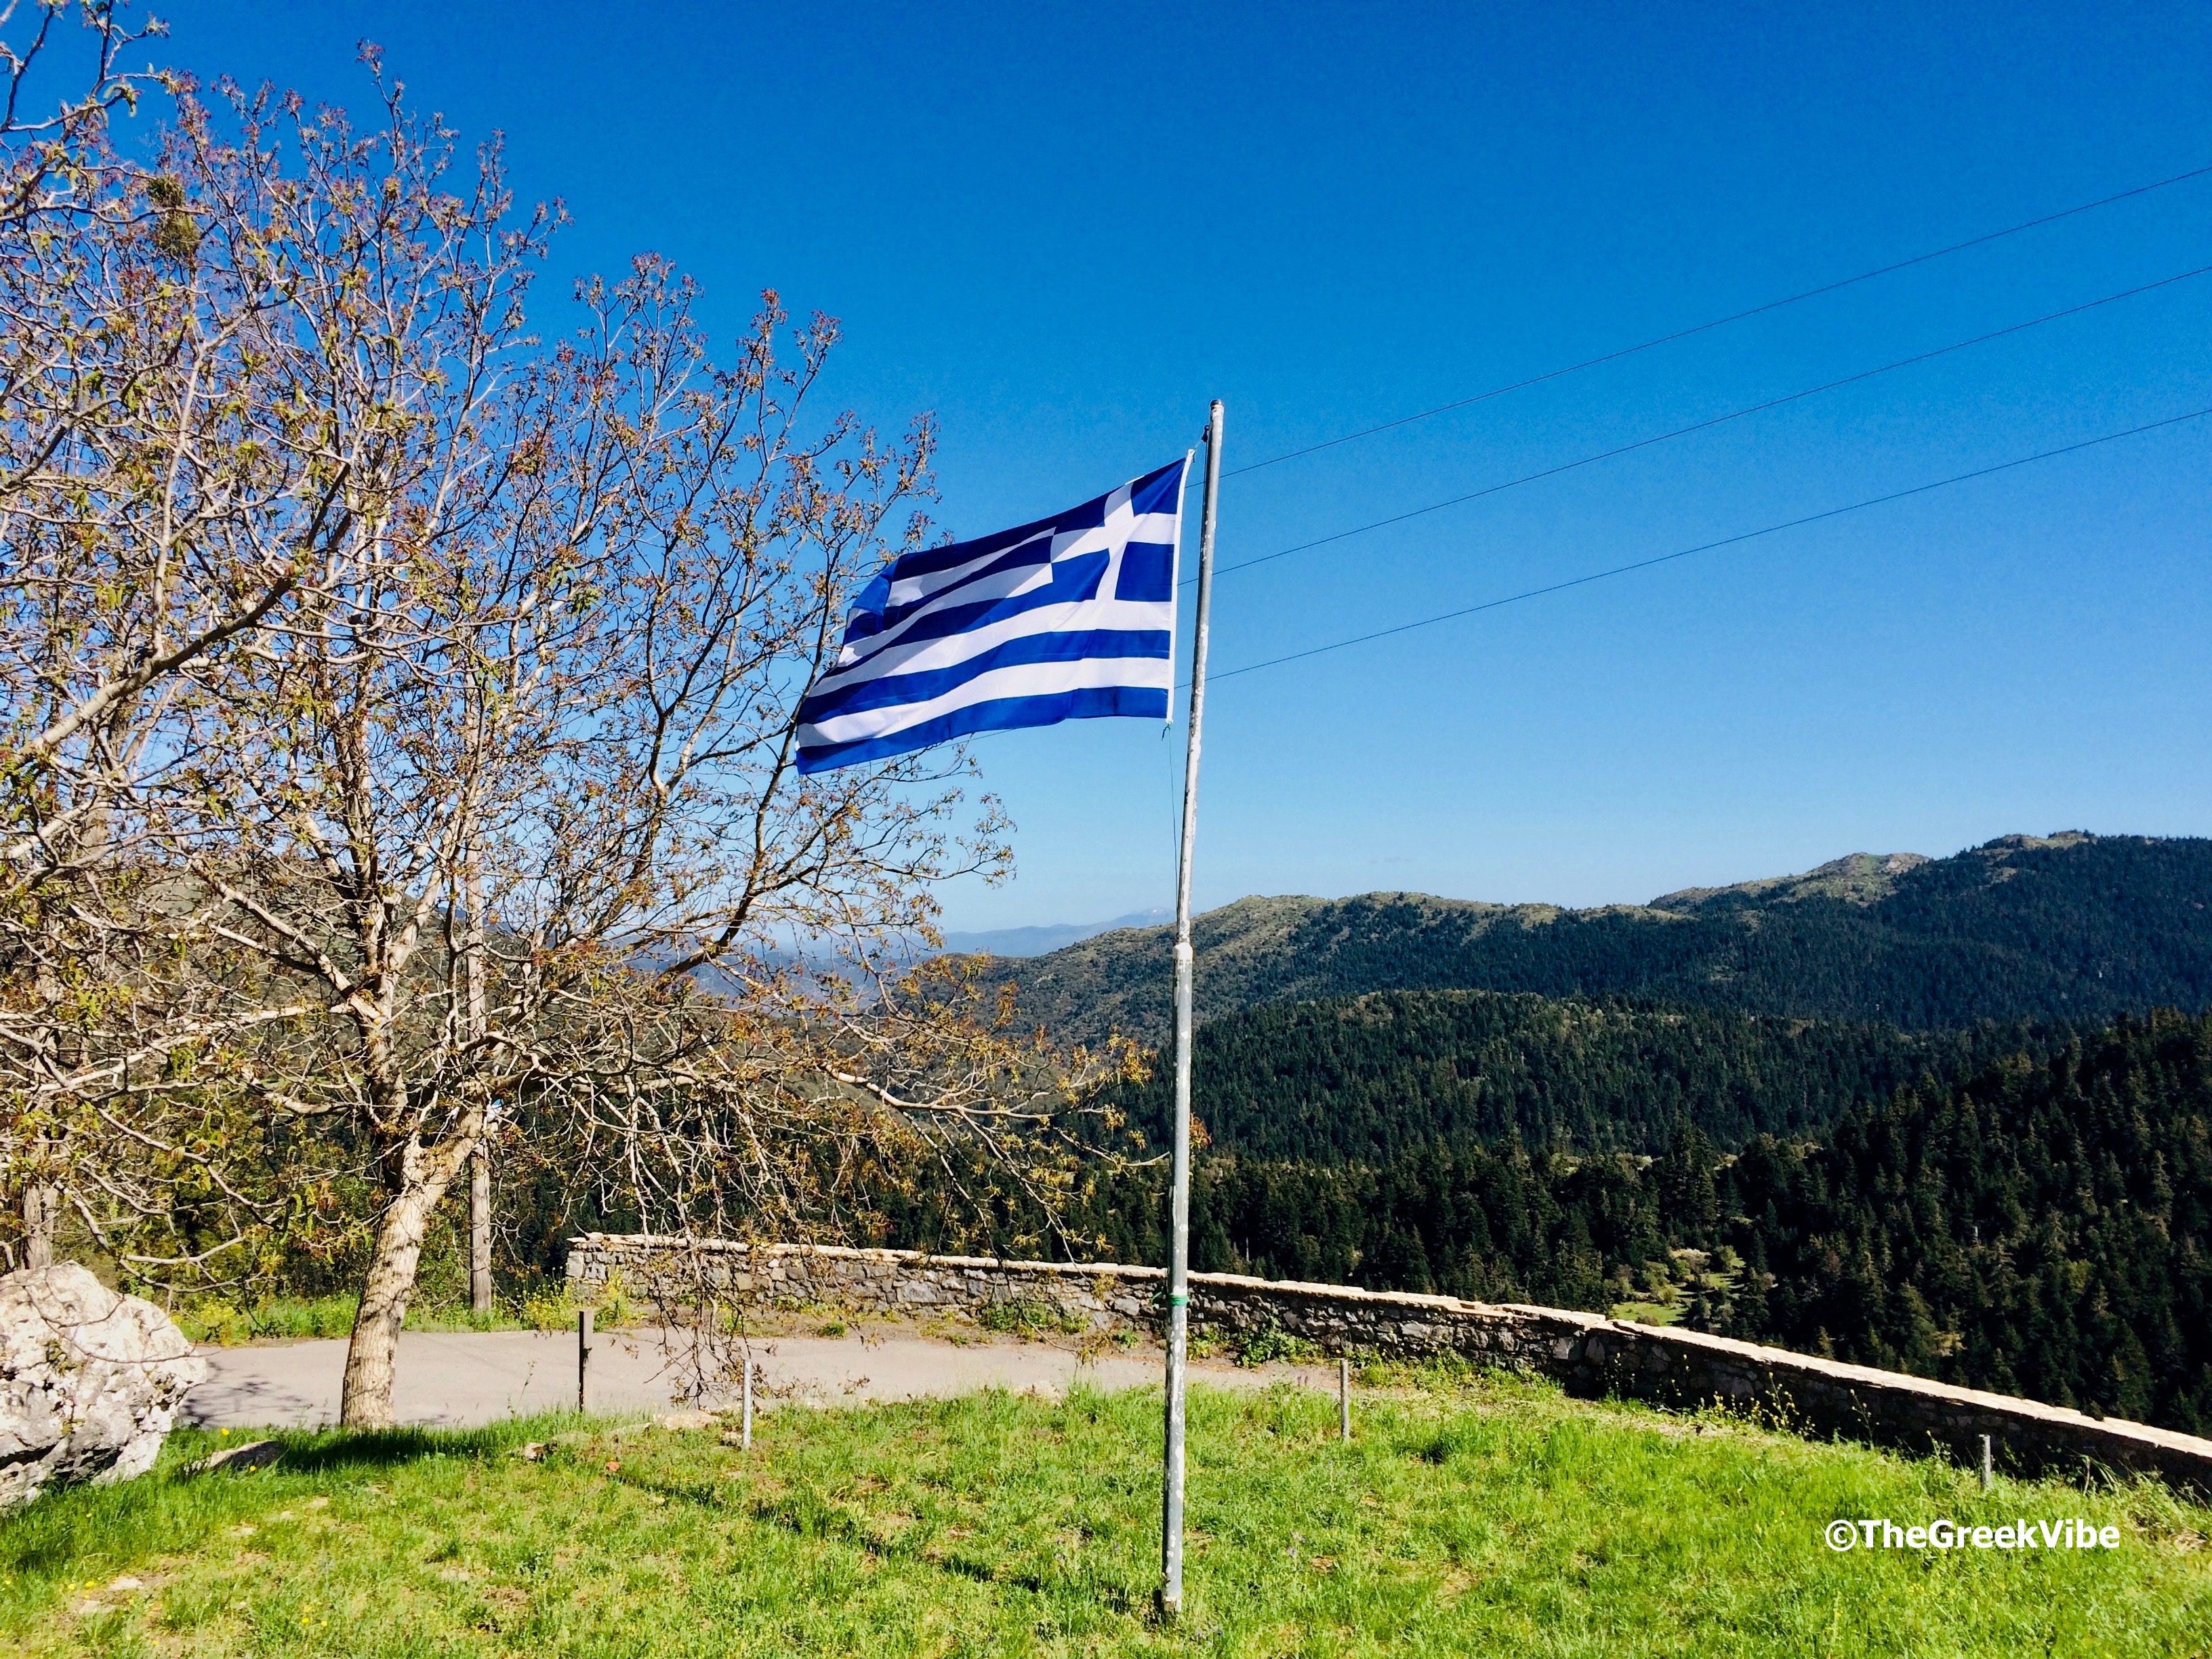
x,y
1065,227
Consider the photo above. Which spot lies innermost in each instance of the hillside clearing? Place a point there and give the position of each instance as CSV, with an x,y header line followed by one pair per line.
x,y
1471,1514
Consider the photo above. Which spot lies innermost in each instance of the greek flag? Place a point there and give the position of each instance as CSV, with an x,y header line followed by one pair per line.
x,y
1070,618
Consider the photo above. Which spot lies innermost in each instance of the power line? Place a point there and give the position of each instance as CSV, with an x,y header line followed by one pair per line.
x,y
1717,420
1723,322
1726,541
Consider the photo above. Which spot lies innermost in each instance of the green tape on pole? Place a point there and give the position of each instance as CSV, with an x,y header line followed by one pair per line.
x,y
1179,1300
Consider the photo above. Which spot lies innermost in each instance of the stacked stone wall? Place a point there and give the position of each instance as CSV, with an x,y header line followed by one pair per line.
x,y
1586,1353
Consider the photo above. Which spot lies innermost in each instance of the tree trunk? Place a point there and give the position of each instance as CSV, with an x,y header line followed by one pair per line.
x,y
480,1297
480,1162
366,1400
41,1206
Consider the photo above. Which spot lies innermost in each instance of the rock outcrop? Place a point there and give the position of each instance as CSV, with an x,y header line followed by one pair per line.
x,y
89,1381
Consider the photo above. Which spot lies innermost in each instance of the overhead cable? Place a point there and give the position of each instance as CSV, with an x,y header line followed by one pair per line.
x,y
1726,541
1716,420
1723,322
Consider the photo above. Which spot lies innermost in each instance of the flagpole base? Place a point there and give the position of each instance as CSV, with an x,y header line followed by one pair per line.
x,y
1167,1609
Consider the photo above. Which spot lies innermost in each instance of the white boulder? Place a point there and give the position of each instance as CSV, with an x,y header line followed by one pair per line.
x,y
89,1381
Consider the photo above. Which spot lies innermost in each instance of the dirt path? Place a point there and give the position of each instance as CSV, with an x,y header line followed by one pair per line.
x,y
458,1379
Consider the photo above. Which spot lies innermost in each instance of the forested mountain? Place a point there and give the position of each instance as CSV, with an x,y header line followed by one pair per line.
x,y
1360,1077
2072,928
2043,1227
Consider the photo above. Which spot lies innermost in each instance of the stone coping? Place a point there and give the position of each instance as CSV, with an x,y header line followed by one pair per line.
x,y
1974,1402
1587,1352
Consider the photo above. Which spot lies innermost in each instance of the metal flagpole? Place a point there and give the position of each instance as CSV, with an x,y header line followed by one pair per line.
x,y
1170,1595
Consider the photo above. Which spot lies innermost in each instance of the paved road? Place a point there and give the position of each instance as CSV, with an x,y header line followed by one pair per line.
x,y
460,1379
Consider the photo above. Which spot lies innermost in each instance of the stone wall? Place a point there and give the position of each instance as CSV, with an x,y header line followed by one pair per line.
x,y
1588,1354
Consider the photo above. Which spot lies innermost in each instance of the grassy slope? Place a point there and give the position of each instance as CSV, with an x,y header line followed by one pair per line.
x,y
1476,1516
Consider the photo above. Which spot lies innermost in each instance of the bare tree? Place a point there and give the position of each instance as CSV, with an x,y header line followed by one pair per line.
x,y
148,524
402,715
496,816
56,164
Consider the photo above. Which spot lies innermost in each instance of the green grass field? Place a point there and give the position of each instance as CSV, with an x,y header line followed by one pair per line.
x,y
1474,1514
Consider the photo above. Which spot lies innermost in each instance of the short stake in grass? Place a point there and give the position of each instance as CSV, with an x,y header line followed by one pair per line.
x,y
583,1362
1344,1400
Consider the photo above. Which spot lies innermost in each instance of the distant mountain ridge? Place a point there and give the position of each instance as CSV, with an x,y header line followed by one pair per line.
x,y
2070,926
1856,879
1037,941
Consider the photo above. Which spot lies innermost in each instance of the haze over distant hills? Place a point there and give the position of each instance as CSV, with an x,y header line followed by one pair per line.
x,y
1035,941
2072,927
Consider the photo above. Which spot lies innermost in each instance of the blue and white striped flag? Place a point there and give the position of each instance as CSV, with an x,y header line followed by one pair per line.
x,y
1070,618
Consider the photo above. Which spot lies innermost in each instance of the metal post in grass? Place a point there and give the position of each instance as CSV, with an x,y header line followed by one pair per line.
x,y
746,1432
1989,1468
1178,1321
583,1362
1344,1400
